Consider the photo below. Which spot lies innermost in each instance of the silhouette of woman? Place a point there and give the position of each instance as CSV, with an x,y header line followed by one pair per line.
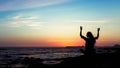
x,y
90,41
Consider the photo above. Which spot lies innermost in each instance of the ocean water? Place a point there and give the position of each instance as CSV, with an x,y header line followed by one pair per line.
x,y
48,54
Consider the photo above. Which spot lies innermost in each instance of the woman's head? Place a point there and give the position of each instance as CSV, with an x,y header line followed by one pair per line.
x,y
89,35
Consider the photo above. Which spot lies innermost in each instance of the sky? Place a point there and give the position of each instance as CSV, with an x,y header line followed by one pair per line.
x,y
55,23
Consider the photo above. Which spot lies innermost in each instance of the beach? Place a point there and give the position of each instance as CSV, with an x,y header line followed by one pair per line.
x,y
106,57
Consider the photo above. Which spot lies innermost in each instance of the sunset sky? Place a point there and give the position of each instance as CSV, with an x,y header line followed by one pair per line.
x,y
46,23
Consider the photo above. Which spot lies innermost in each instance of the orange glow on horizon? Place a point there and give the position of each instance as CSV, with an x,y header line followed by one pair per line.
x,y
54,41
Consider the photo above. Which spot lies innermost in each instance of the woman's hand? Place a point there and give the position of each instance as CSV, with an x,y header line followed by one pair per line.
x,y
81,28
98,29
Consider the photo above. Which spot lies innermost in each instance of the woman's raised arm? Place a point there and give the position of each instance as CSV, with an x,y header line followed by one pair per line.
x,y
81,33
97,33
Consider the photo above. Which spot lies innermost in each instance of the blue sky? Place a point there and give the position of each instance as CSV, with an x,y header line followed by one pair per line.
x,y
59,18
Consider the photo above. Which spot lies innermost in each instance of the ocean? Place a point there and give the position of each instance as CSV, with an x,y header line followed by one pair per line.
x,y
48,54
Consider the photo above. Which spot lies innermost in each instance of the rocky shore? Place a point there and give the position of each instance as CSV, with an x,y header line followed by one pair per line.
x,y
109,59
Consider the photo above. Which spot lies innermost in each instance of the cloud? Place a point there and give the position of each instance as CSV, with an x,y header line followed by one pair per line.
x,y
29,21
80,21
16,17
25,23
23,17
23,4
92,21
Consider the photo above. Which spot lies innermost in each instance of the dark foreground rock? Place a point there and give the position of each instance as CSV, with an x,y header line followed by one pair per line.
x,y
105,60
